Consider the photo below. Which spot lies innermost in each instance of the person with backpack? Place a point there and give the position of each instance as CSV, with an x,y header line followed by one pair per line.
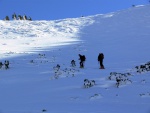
x,y
82,59
100,60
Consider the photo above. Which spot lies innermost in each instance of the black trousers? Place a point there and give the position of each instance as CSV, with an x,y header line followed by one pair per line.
x,y
101,63
81,63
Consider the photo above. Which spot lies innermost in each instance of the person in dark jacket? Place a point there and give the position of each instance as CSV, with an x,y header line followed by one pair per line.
x,y
1,64
82,59
100,59
73,63
6,64
14,16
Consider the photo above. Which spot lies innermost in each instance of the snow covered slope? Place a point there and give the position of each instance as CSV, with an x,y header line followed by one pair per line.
x,y
17,37
33,84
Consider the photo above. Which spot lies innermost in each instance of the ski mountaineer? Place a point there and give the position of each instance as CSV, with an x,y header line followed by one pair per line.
x,y
82,60
100,60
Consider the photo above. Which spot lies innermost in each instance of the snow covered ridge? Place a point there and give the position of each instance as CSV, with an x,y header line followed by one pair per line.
x,y
28,36
19,37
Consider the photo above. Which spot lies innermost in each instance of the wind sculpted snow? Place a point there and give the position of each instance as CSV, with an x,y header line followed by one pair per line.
x,y
18,37
45,82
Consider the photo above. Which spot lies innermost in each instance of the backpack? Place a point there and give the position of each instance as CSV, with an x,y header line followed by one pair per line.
x,y
83,57
101,56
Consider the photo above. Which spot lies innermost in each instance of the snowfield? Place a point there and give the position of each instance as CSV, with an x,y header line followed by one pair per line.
x,y
29,36
34,83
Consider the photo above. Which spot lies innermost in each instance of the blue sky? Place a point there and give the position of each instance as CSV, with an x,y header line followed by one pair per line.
x,y
60,9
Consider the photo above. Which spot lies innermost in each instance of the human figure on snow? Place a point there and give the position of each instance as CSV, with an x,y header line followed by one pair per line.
x,y
73,63
1,64
82,59
7,18
30,19
14,16
25,17
6,64
100,59
20,17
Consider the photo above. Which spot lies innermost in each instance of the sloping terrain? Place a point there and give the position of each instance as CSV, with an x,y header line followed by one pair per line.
x,y
34,84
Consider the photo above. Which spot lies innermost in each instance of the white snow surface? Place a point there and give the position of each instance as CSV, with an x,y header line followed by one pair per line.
x,y
19,37
32,84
